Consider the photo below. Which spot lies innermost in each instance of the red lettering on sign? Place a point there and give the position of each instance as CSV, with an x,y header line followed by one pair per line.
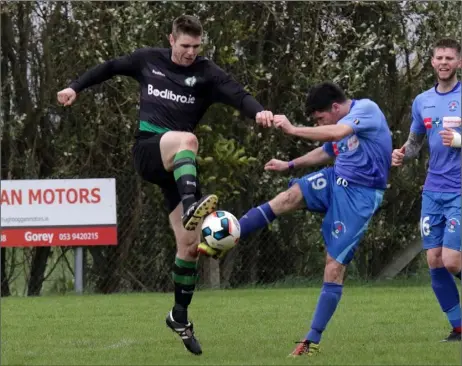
x,y
13,197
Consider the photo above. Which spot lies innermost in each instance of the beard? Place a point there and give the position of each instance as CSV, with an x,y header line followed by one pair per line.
x,y
447,78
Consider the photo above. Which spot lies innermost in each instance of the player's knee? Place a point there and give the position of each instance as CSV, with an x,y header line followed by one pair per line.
x,y
189,142
187,247
334,271
434,258
186,241
285,202
452,260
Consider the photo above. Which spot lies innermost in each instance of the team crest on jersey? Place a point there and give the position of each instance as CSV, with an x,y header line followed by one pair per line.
x,y
190,81
452,224
353,143
453,105
339,229
341,147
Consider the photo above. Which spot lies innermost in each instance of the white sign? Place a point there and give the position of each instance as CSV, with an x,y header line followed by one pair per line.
x,y
58,202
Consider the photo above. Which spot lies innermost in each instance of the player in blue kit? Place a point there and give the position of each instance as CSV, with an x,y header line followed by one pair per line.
x,y
436,114
357,136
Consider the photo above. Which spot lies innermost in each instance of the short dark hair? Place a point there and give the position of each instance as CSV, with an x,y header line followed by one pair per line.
x,y
187,24
447,43
321,97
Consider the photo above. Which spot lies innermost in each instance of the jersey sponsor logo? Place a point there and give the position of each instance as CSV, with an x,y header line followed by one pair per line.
x,y
429,122
453,105
339,147
339,229
429,106
155,72
451,122
169,95
335,148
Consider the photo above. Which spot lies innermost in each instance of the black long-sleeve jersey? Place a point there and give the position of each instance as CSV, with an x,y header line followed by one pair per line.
x,y
172,97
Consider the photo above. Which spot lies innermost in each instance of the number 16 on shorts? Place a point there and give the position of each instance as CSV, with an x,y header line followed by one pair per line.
x,y
425,226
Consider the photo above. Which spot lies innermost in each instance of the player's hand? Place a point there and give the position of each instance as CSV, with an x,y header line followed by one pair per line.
x,y
397,156
264,118
281,122
447,136
277,165
67,96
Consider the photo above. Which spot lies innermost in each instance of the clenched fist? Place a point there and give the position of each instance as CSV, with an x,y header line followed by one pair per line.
x,y
283,123
450,137
264,118
67,96
277,165
397,157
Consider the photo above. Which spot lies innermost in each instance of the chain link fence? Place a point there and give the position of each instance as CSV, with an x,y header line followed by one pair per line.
x,y
377,50
289,252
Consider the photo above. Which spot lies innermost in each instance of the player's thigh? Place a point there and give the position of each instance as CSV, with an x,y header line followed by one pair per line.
x,y
432,222
174,141
452,208
148,161
347,220
316,189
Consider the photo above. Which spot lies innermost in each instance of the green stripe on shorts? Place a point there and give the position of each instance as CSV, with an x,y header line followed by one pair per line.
x,y
149,127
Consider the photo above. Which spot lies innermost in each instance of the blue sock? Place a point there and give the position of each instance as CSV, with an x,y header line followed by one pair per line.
x,y
327,303
458,275
446,292
256,218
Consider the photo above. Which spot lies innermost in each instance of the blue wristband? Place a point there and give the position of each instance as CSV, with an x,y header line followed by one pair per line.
x,y
291,165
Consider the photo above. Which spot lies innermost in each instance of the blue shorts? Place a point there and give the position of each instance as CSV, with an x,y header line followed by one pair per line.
x,y
440,220
348,210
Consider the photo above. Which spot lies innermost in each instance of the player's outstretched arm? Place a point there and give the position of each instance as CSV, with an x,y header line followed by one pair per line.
x,y
230,92
409,150
315,157
319,133
126,65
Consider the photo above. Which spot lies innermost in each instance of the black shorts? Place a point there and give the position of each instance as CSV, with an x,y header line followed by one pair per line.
x,y
148,164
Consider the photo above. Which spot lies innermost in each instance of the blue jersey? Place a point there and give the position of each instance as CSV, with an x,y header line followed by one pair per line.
x,y
431,112
364,157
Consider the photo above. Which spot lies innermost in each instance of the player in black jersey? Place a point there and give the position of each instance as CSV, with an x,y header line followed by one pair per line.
x,y
176,88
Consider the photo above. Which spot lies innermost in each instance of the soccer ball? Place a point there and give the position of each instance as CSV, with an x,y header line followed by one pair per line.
x,y
221,230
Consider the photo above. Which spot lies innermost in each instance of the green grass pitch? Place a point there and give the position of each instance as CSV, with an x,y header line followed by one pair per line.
x,y
373,325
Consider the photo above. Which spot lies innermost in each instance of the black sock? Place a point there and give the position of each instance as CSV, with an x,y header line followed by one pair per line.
x,y
184,277
185,172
